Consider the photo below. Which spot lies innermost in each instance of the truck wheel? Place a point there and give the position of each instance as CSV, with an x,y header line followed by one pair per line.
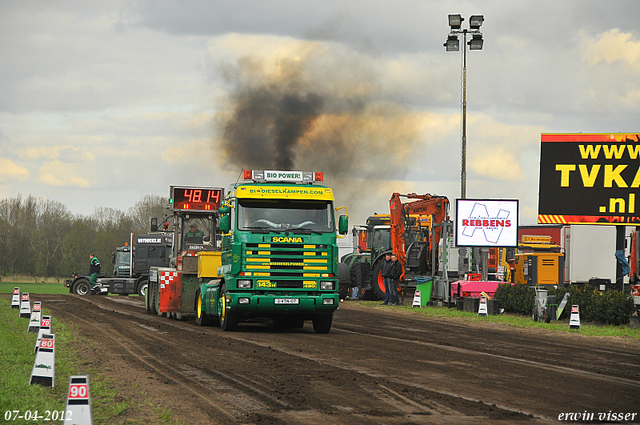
x,y
142,288
228,320
82,287
156,300
202,318
151,299
344,281
322,324
378,282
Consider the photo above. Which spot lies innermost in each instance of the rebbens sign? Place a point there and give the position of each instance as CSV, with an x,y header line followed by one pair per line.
x,y
486,222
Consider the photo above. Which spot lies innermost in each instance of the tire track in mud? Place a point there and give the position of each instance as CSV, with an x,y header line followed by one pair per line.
x,y
260,394
558,351
548,365
386,396
179,376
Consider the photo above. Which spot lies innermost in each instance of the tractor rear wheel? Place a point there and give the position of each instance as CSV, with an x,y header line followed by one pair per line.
x,y
82,287
378,281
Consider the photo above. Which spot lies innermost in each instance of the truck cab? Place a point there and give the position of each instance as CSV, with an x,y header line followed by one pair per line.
x,y
121,259
148,250
279,252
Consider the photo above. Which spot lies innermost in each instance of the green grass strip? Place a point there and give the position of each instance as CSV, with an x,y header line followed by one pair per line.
x,y
16,363
589,329
34,288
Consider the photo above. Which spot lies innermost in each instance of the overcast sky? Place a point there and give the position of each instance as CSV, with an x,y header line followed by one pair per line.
x,y
104,102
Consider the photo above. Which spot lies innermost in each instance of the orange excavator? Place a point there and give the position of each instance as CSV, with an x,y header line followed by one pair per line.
x,y
414,238
406,231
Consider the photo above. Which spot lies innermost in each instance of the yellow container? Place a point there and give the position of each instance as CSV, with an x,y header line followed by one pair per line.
x,y
208,263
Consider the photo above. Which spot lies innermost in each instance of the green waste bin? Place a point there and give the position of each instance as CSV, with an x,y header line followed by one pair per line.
x,y
424,286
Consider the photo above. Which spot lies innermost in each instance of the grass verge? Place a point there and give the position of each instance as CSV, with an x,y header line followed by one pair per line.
x,y
590,329
32,279
33,288
16,362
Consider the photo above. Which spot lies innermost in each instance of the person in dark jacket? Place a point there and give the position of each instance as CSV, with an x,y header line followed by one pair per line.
x,y
386,266
94,269
394,274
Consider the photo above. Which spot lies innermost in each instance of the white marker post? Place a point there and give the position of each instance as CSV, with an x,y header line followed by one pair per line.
x,y
15,299
416,299
25,305
45,328
44,367
562,305
34,322
78,411
574,321
482,308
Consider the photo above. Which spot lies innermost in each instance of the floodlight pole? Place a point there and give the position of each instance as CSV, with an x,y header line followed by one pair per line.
x,y
463,175
475,31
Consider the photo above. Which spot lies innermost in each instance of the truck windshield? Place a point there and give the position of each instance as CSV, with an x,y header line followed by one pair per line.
x,y
122,257
279,215
198,231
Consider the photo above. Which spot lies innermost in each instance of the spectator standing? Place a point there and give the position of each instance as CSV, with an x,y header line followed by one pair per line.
x,y
394,274
386,267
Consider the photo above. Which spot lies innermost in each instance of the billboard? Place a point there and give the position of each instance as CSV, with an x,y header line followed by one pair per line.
x,y
487,222
589,179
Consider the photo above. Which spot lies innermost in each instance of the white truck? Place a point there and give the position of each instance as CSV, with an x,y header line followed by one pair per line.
x,y
589,252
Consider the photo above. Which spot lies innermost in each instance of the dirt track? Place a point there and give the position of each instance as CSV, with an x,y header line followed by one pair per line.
x,y
381,366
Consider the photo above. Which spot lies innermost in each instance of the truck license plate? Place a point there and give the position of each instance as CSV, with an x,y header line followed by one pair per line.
x,y
287,301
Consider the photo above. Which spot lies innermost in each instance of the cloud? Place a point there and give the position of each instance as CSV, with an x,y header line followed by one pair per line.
x,y
612,72
189,153
496,150
613,46
9,170
58,173
67,154
497,163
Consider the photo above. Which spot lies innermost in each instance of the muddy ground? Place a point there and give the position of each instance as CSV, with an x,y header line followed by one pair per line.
x,y
376,366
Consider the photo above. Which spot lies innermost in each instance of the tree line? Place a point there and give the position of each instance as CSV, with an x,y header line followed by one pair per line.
x,y
40,237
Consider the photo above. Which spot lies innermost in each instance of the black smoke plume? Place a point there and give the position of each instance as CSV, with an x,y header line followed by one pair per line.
x,y
316,111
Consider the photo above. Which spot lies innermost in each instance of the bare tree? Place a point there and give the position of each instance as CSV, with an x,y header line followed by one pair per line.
x,y
150,206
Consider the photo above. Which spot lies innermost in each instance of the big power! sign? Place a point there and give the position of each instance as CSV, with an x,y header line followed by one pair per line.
x,y
589,179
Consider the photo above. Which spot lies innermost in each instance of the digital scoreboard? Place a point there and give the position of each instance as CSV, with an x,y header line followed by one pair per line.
x,y
196,198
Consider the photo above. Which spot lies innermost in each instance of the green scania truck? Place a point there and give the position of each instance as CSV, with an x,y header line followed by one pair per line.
x,y
279,255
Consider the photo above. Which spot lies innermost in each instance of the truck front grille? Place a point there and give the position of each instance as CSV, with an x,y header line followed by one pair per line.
x,y
286,261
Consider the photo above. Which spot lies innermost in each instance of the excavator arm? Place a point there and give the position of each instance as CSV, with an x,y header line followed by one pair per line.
x,y
426,205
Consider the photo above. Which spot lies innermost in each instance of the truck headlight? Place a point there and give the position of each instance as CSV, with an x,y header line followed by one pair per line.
x,y
244,284
327,301
243,300
327,285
